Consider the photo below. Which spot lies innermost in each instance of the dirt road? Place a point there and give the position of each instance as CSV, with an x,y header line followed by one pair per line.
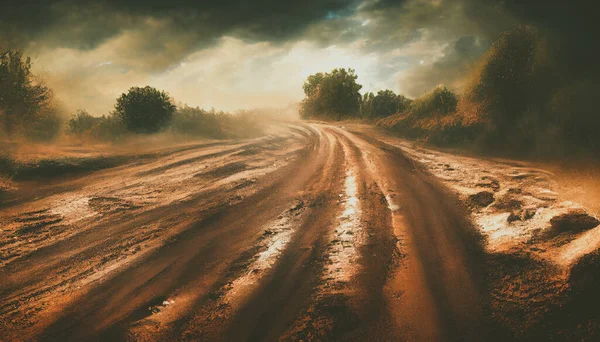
x,y
310,233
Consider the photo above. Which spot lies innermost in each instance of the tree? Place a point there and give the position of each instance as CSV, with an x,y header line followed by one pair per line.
x,y
366,105
144,110
386,103
82,122
21,97
333,95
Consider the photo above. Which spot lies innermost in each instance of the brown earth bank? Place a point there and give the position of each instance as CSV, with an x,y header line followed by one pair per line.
x,y
312,232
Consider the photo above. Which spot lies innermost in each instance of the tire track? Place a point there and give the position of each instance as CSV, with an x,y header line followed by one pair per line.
x,y
313,233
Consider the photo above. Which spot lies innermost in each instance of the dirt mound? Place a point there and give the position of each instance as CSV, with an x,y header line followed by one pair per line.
x,y
481,199
6,191
575,221
225,170
488,182
576,317
49,168
110,204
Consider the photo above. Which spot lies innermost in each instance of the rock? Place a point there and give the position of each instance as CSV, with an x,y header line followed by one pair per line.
x,y
529,212
298,206
548,195
488,182
520,175
481,199
508,203
576,220
513,217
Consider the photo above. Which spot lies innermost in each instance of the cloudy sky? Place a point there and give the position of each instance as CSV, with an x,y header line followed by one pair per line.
x,y
233,54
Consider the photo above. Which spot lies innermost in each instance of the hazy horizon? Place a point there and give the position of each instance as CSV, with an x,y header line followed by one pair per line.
x,y
232,56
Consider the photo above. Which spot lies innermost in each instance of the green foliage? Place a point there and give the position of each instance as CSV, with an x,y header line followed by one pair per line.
x,y
366,105
82,122
439,102
106,128
432,116
504,86
109,127
197,122
385,103
520,99
194,121
527,99
333,95
144,110
21,97
45,126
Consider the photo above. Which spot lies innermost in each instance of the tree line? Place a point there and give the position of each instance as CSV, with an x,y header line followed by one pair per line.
x,y
336,95
521,98
27,109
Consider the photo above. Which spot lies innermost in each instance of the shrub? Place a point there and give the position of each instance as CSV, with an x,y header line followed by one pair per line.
x,y
144,110
109,127
106,127
438,102
192,121
385,103
45,126
82,122
504,85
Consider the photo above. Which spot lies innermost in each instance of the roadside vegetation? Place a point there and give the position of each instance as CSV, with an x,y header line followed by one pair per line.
x,y
146,111
29,112
522,98
26,104
39,139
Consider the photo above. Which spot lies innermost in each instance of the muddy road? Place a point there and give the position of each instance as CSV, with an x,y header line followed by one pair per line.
x,y
313,232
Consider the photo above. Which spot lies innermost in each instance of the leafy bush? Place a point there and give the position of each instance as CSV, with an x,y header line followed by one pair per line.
x,y
438,102
192,121
82,122
106,127
45,126
385,103
433,117
109,127
144,110
509,87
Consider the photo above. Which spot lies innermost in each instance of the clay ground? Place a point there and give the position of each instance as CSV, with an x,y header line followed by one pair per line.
x,y
313,232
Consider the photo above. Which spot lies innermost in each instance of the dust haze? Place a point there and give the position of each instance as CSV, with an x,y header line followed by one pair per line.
x,y
318,170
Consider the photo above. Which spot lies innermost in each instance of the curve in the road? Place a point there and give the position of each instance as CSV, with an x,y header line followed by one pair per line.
x,y
312,233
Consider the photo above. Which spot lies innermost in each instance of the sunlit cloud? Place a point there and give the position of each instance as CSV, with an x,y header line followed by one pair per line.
x,y
203,58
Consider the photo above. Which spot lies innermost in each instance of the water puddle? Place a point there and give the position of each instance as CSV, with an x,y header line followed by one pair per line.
x,y
72,208
347,237
275,239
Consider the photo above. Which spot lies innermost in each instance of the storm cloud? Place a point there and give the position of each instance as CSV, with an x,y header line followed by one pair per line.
x,y
240,53
88,23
